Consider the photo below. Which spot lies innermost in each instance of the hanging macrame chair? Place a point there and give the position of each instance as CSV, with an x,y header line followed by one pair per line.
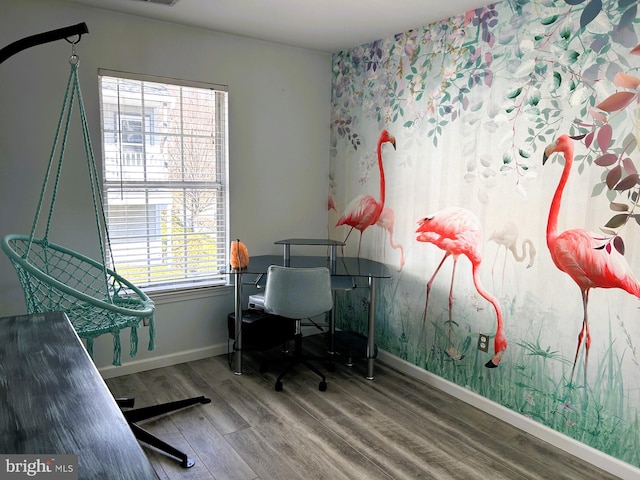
x,y
53,278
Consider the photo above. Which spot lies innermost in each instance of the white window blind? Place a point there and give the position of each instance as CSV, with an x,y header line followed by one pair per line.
x,y
165,159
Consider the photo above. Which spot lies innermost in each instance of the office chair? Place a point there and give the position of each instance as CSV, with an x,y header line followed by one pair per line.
x,y
298,293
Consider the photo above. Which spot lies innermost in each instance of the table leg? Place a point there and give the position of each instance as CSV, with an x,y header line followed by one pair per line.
x,y
332,327
371,334
332,313
237,345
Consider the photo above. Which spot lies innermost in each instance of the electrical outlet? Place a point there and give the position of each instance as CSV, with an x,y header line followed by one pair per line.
x,y
483,342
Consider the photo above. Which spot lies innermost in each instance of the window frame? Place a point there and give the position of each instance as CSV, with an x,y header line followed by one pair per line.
x,y
182,288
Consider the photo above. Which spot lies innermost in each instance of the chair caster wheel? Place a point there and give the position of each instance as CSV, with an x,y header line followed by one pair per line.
x,y
279,386
323,386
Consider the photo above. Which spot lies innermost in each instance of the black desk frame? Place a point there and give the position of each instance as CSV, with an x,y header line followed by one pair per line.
x,y
343,267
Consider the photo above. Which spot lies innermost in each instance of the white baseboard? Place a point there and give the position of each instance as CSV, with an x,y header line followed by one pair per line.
x,y
595,457
162,361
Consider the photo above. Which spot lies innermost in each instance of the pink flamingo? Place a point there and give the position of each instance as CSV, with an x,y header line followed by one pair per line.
x,y
575,252
458,232
364,210
331,203
386,221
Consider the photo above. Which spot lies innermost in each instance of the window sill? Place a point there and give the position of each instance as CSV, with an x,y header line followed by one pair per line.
x,y
187,294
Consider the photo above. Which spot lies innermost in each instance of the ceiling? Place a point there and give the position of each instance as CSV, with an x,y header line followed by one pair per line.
x,y
324,25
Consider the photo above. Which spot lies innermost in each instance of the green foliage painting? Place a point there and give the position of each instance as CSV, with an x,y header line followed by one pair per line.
x,y
475,103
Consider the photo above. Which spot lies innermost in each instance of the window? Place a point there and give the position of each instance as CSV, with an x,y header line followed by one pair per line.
x,y
165,157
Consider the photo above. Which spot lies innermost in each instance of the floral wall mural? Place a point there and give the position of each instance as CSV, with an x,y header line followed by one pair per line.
x,y
439,137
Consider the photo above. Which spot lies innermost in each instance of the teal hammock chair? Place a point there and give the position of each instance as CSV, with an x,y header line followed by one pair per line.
x,y
53,278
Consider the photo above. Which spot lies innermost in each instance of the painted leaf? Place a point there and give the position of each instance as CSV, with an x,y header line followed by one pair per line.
x,y
549,20
630,142
613,176
617,220
523,153
606,160
635,50
590,12
606,231
618,244
573,56
628,182
617,101
597,189
514,93
628,17
619,207
488,78
629,166
626,81
573,2
597,115
604,137
588,139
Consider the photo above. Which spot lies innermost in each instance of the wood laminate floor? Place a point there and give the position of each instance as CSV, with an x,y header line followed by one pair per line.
x,y
393,427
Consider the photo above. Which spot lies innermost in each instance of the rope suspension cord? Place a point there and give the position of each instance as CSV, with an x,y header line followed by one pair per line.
x,y
96,299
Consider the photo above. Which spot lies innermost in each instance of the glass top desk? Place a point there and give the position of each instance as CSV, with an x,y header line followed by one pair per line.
x,y
343,271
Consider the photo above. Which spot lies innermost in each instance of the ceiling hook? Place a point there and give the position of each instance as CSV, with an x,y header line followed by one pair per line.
x,y
73,42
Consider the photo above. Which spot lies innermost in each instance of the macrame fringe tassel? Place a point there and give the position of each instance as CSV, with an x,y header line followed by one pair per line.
x,y
152,334
117,349
133,339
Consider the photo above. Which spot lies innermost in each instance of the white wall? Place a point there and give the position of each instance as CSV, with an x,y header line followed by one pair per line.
x,y
279,103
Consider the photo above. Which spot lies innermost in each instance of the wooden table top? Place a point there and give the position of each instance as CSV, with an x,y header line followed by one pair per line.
x,y
54,401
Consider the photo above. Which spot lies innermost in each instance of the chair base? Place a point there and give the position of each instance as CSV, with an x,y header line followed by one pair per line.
x,y
139,414
299,359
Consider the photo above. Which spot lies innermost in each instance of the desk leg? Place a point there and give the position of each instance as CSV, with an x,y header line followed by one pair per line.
x,y
332,327
371,337
332,313
237,346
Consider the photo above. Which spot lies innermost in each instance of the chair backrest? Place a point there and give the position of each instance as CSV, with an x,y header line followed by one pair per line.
x,y
298,292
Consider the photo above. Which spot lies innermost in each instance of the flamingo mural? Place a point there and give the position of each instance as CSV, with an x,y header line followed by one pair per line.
x,y
331,203
576,253
457,231
364,210
386,221
507,237
469,123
